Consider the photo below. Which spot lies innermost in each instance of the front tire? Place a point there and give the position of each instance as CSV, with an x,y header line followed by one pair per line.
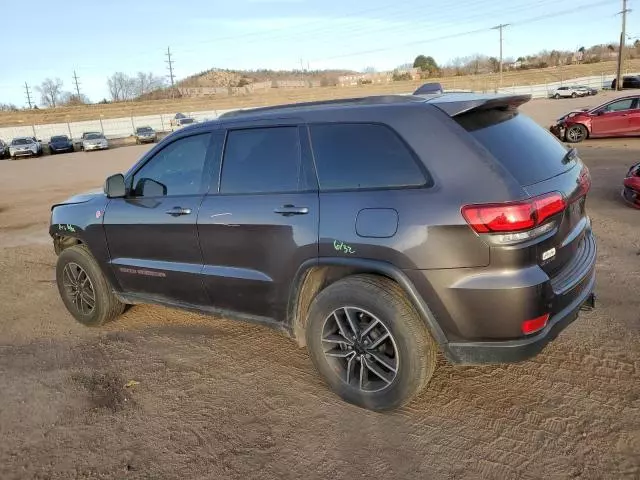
x,y
574,95
84,289
556,96
369,343
576,133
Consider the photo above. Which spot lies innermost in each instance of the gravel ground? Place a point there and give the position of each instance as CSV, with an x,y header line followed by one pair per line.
x,y
219,399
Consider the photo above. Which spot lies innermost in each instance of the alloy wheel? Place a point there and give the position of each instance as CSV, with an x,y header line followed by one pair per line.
x,y
360,349
78,288
575,134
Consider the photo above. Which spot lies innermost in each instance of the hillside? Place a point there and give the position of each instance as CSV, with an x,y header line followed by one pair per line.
x,y
274,96
234,78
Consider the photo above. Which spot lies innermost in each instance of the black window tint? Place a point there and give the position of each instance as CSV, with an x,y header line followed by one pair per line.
x,y
262,160
178,166
527,151
359,156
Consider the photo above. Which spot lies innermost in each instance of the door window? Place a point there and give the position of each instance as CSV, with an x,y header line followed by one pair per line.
x,y
262,160
175,170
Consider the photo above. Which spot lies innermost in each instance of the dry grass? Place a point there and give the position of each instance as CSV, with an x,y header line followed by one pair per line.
x,y
486,82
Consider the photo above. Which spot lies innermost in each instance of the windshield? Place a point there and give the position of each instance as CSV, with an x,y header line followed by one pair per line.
x,y
21,141
93,136
186,121
145,130
60,138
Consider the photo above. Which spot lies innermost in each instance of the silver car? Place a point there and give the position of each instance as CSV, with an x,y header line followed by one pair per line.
x,y
24,147
94,141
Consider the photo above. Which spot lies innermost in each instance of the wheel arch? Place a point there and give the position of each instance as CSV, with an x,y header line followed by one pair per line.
x,y
316,274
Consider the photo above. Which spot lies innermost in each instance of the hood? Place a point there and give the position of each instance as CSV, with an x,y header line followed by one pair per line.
x,y
95,140
82,197
573,113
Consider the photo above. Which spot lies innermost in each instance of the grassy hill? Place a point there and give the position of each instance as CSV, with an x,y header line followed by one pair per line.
x,y
279,96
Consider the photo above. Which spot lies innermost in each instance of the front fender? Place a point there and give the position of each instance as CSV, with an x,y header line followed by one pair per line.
x,y
73,223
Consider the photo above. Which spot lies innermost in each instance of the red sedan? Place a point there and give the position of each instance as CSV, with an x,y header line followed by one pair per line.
x,y
631,188
616,118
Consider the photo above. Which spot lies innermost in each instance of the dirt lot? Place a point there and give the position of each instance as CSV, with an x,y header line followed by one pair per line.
x,y
218,399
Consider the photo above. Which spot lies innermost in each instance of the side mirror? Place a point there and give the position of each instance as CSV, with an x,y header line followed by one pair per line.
x,y
150,188
114,186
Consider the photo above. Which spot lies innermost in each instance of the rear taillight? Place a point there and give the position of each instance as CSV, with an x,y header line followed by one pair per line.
x,y
584,185
535,324
513,217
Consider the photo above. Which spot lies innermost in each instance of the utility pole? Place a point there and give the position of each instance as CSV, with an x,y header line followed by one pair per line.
x,y
500,27
75,80
26,88
621,47
170,66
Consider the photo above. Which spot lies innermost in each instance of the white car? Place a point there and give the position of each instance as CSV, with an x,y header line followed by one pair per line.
x,y
94,141
24,147
565,92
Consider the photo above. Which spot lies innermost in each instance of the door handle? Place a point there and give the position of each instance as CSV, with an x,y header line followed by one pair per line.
x,y
288,210
177,211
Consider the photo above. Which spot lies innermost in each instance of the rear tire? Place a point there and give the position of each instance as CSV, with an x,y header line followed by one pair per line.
x,y
556,96
576,133
83,288
369,308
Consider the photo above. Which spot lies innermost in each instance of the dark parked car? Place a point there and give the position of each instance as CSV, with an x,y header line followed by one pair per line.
x,y
145,135
616,118
375,231
4,150
60,144
630,81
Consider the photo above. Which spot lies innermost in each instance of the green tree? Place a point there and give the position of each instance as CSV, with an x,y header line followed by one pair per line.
x,y
426,64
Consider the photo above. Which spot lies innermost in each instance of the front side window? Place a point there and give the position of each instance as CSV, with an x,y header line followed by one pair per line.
x,y
625,104
262,160
177,169
361,156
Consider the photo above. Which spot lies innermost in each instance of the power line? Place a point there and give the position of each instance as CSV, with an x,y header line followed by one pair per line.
x,y
170,67
28,92
460,34
75,80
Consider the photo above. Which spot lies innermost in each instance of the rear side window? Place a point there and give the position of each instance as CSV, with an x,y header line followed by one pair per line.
x,y
262,160
527,151
362,156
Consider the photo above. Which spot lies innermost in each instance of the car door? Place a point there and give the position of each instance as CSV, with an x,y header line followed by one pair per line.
x,y
614,118
151,233
634,118
260,222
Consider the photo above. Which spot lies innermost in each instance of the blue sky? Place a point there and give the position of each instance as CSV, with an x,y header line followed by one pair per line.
x,y
98,38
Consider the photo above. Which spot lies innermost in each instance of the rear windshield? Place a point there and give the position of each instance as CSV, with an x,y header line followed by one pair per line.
x,y
526,150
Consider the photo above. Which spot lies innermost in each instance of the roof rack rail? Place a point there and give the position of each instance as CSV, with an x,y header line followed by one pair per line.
x,y
370,100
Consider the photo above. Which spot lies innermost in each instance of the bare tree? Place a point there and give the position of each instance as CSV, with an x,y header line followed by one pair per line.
x,y
73,99
8,107
121,87
50,91
147,82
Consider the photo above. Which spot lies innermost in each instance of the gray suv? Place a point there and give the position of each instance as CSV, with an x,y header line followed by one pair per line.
x,y
375,231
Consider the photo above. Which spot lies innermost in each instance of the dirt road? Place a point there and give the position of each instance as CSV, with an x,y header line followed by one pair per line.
x,y
218,399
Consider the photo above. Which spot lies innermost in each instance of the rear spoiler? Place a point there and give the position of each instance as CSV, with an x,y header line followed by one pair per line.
x,y
454,104
429,88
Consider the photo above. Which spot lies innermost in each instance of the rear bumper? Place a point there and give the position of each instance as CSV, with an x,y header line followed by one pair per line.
x,y
521,349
